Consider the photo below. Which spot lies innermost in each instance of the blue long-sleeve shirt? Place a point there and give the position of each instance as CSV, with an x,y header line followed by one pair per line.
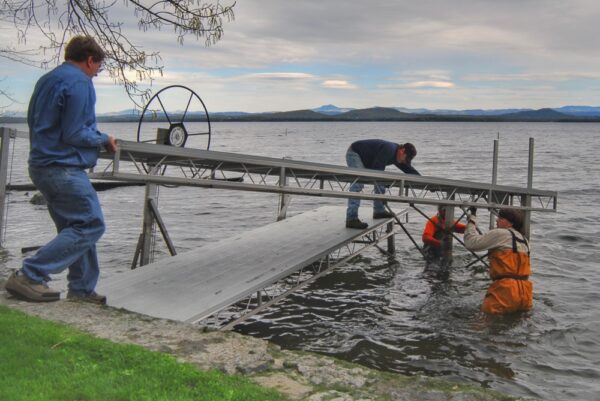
x,y
376,154
62,120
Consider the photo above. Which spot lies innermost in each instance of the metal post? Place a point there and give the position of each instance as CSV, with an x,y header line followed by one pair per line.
x,y
148,223
389,209
494,178
406,195
284,199
447,243
161,225
5,134
391,240
527,198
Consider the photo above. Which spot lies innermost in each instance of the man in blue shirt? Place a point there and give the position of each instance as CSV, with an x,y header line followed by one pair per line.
x,y
64,142
376,154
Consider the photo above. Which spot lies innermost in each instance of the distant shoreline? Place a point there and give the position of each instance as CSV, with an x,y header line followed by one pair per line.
x,y
373,114
22,120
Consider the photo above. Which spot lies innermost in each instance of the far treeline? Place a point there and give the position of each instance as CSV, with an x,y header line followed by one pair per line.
x,y
370,114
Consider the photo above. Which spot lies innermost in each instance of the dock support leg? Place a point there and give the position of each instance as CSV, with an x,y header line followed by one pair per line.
x,y
405,230
447,243
494,179
148,224
5,136
162,227
284,199
151,216
526,199
391,240
406,193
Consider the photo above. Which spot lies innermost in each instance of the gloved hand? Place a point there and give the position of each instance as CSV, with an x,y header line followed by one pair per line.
x,y
472,215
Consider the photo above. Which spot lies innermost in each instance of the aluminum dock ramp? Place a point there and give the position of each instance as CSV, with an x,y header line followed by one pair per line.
x,y
194,285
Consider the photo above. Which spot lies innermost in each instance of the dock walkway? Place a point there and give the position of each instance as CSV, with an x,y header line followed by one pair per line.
x,y
193,285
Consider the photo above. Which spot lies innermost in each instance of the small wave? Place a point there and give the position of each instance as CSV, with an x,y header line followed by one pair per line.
x,y
582,191
572,238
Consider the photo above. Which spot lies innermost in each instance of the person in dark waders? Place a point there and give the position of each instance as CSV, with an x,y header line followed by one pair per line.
x,y
510,267
376,154
434,234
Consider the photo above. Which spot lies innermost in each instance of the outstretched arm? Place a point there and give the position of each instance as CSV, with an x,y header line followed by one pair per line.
x,y
476,242
407,169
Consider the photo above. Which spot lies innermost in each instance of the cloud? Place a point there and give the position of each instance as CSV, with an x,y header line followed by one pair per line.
x,y
420,79
427,74
337,84
281,76
288,55
430,84
541,76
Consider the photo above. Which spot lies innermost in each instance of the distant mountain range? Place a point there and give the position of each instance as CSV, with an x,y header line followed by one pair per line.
x,y
588,111
333,113
330,112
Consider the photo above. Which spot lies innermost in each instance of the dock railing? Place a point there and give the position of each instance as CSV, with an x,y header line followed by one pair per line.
x,y
211,169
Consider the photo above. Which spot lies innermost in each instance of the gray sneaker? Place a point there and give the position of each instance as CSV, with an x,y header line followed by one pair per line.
x,y
93,297
21,286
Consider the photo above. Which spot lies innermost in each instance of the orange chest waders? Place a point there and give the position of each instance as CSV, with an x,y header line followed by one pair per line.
x,y
511,290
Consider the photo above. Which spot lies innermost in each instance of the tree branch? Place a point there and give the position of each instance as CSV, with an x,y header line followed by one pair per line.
x,y
57,20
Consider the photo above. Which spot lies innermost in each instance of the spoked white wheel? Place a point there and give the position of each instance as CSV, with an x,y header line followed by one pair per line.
x,y
175,116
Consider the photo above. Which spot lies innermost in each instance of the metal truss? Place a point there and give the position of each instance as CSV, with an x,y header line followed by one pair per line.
x,y
172,166
230,316
168,165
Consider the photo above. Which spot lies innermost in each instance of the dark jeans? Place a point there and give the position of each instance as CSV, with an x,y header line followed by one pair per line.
x,y
75,210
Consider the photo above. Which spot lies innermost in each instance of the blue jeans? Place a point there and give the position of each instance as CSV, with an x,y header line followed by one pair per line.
x,y
353,160
74,207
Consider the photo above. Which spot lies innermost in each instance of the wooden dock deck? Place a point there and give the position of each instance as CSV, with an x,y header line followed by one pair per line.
x,y
193,285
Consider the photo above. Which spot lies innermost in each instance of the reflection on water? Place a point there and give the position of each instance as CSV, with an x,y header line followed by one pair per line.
x,y
396,315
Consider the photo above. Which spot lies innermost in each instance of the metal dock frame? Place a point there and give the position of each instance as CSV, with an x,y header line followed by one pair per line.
x,y
210,169
157,165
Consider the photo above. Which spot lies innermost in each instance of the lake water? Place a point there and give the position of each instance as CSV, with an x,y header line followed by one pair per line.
x,y
390,314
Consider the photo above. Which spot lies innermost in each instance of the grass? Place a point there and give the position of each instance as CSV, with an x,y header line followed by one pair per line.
x,y
42,360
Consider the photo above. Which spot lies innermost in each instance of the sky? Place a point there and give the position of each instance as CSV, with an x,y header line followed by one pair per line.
x,y
291,55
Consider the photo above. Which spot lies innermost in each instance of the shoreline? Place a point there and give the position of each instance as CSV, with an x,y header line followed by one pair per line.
x,y
297,374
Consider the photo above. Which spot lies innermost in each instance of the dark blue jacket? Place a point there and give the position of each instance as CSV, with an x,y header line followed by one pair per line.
x,y
376,154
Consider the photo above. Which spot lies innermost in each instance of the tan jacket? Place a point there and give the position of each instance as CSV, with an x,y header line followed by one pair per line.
x,y
493,239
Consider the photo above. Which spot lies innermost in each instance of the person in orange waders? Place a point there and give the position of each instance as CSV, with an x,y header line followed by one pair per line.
x,y
510,268
433,234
